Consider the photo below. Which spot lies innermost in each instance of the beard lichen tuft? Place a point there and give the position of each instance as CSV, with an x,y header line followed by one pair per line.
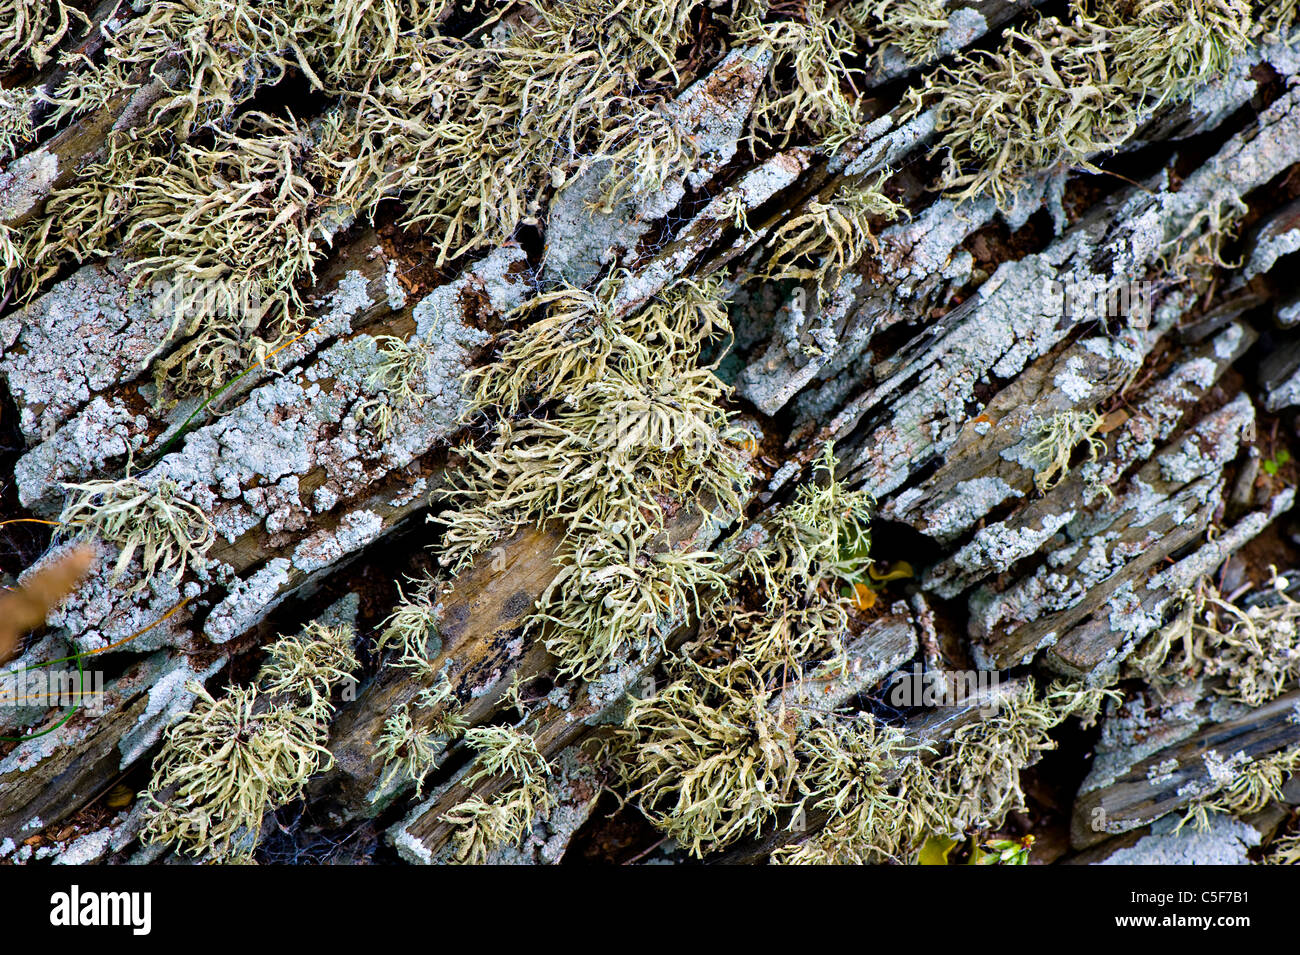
x,y
16,128
816,47
913,27
1061,92
1054,443
411,749
31,30
229,761
1252,652
1240,786
167,531
503,820
831,236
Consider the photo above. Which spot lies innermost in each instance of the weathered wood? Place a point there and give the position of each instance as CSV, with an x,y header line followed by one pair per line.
x,y
882,646
1165,781
934,377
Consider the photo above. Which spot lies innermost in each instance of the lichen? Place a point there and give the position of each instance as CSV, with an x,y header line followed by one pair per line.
x,y
482,825
1255,650
168,531
227,762
1057,437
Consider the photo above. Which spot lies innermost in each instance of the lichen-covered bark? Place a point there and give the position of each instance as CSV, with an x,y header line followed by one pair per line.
x,y
938,364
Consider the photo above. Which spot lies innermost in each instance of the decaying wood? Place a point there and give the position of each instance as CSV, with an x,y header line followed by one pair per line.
x,y
1167,780
934,364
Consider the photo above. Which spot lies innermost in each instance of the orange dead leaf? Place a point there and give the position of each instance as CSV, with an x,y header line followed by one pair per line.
x,y
864,598
1112,421
25,607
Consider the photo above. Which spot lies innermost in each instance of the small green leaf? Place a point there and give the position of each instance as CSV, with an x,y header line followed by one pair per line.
x,y
935,850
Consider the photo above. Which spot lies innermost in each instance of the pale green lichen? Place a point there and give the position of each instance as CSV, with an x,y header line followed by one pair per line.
x,y
1254,650
832,236
226,227
401,370
473,135
168,532
597,461
228,762
31,29
410,745
1285,850
1166,48
576,338
505,819
805,566
16,127
707,760
1043,97
616,595
914,27
815,47
972,782
1055,441
308,666
412,624
1063,92
1241,787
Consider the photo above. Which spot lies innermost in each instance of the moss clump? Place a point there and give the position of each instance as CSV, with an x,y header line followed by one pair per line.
x,y
715,757
654,150
307,667
221,52
637,433
227,762
1277,18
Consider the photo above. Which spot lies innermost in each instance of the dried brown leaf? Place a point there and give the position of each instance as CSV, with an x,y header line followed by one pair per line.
x,y
24,608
